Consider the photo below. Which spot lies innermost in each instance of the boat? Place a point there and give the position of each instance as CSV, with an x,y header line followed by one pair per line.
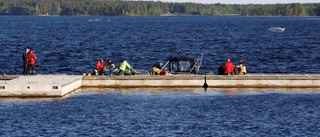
x,y
276,29
183,65
176,66
94,20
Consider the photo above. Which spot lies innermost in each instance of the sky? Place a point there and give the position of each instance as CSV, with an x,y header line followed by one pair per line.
x,y
244,1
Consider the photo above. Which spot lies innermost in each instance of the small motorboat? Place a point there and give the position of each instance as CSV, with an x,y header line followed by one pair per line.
x,y
183,65
94,20
276,29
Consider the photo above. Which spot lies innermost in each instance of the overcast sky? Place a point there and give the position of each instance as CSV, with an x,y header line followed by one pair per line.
x,y
243,1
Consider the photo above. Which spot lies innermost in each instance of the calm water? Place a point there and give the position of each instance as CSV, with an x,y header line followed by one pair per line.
x,y
72,45
165,112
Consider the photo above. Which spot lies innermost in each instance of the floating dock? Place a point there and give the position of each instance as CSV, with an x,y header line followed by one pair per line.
x,y
39,85
61,85
213,81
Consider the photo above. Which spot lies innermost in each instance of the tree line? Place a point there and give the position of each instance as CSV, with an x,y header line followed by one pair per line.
x,y
141,8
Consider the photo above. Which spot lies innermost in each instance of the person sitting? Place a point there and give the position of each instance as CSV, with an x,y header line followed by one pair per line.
x,y
241,68
156,68
228,68
110,67
221,69
126,69
99,67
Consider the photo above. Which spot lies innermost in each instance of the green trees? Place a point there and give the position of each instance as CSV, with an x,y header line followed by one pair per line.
x,y
294,9
317,10
134,8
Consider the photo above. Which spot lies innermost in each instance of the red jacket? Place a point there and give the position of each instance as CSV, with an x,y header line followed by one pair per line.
x,y
99,65
228,67
31,58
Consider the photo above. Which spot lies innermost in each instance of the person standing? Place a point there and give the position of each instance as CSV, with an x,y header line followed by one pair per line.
x,y
24,59
31,60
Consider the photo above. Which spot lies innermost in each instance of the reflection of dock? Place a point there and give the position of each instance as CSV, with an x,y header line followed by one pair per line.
x,y
61,85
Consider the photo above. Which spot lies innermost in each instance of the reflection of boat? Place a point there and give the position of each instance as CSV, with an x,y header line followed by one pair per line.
x,y
183,65
92,20
276,29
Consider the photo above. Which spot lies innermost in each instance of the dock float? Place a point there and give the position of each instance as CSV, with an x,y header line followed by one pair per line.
x,y
213,81
61,85
38,85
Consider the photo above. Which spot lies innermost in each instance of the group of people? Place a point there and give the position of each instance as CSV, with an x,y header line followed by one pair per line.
x,y
124,69
228,68
29,60
110,69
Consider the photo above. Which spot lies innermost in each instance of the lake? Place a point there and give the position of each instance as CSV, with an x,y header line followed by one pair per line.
x,y
165,112
72,45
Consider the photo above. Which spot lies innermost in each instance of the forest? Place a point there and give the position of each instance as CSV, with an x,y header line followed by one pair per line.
x,y
151,8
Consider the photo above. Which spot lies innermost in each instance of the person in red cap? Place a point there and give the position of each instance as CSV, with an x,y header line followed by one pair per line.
x,y
228,68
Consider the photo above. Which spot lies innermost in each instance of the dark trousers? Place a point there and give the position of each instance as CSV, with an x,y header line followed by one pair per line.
x,y
25,69
31,69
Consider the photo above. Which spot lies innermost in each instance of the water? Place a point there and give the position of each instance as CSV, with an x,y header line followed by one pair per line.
x,y
165,112
72,45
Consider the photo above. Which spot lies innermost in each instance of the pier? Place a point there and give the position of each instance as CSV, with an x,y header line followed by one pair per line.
x,y
39,85
61,85
213,81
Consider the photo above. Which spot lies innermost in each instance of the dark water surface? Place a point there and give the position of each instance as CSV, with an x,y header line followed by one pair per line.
x,y
71,45
165,112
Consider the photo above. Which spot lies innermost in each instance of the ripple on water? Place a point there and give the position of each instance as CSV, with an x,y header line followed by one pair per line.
x,y
165,112
74,43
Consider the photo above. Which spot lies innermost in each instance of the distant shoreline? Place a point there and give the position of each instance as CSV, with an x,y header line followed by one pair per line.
x,y
153,8
170,14
163,15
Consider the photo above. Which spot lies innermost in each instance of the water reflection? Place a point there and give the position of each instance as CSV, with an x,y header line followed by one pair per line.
x,y
173,92
229,92
197,91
